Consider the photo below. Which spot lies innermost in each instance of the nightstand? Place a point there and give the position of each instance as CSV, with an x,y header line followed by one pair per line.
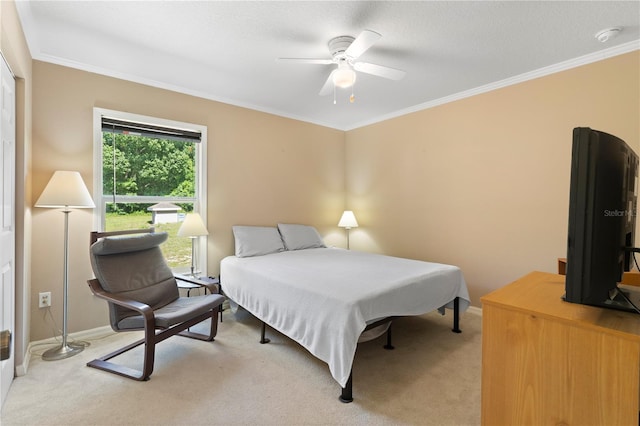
x,y
189,283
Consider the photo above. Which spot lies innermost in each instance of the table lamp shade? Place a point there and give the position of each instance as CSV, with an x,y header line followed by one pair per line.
x,y
348,220
193,226
65,189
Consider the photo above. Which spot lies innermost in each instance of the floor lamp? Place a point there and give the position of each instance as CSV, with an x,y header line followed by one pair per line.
x,y
65,190
192,227
348,221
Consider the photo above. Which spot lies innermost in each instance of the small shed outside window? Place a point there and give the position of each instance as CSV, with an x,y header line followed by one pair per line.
x,y
164,213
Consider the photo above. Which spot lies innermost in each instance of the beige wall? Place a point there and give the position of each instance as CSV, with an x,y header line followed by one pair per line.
x,y
262,169
14,49
483,182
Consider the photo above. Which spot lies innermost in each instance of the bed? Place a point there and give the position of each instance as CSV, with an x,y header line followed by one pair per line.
x,y
324,298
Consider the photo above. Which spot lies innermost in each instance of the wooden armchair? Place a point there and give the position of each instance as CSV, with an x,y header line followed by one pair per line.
x,y
134,278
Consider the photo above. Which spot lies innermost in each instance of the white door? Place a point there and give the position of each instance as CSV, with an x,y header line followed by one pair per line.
x,y
7,225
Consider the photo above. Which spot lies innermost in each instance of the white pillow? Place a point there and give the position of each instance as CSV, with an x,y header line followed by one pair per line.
x,y
257,240
298,237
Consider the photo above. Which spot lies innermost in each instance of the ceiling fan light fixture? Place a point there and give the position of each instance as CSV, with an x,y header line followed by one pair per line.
x,y
345,51
344,76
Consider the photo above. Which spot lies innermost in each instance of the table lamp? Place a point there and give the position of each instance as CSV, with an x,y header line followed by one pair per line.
x,y
65,191
192,227
348,221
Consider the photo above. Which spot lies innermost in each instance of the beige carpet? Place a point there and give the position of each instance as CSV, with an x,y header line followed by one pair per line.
x,y
431,378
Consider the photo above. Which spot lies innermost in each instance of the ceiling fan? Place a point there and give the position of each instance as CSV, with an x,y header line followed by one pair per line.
x,y
345,50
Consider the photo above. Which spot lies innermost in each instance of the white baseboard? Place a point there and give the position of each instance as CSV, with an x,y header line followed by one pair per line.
x,y
21,369
474,310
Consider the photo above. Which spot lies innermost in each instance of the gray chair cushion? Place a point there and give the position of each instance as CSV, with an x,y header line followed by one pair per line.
x,y
135,268
176,312
115,245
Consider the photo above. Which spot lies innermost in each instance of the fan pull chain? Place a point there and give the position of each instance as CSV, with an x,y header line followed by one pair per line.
x,y
352,98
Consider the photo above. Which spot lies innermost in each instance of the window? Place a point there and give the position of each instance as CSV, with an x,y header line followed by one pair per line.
x,y
150,172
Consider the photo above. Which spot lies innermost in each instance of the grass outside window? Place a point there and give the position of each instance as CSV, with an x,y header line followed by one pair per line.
x,y
177,250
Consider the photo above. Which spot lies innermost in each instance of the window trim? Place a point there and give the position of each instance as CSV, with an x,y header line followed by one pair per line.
x,y
200,206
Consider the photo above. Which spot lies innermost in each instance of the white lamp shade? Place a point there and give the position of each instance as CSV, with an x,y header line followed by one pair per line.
x,y
193,226
65,189
348,220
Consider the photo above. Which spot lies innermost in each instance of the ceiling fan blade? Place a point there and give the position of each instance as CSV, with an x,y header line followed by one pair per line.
x,y
379,70
364,41
328,85
307,61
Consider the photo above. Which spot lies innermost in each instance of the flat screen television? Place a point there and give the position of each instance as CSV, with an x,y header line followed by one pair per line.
x,y
602,210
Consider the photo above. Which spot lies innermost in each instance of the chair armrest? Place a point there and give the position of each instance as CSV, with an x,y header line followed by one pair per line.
x,y
144,309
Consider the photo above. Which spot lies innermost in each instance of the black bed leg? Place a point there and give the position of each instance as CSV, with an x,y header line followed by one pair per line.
x,y
389,346
263,339
456,315
347,392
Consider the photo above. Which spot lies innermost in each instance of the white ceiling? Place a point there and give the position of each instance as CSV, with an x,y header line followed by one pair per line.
x,y
226,50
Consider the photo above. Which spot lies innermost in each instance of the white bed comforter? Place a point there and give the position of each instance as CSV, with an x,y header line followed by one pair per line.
x,y
323,298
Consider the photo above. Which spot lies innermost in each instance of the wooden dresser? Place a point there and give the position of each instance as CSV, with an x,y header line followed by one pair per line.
x,y
547,361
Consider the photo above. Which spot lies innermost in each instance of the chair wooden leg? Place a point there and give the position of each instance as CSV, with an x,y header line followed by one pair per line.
x,y
212,331
149,357
151,339
103,363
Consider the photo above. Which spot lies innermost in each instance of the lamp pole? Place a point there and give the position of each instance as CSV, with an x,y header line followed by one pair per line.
x,y
65,350
193,256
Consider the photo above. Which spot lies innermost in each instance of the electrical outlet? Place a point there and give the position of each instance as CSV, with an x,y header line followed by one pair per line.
x,y
44,299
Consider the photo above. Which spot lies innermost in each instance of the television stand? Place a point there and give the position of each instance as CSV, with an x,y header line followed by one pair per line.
x,y
547,361
620,302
